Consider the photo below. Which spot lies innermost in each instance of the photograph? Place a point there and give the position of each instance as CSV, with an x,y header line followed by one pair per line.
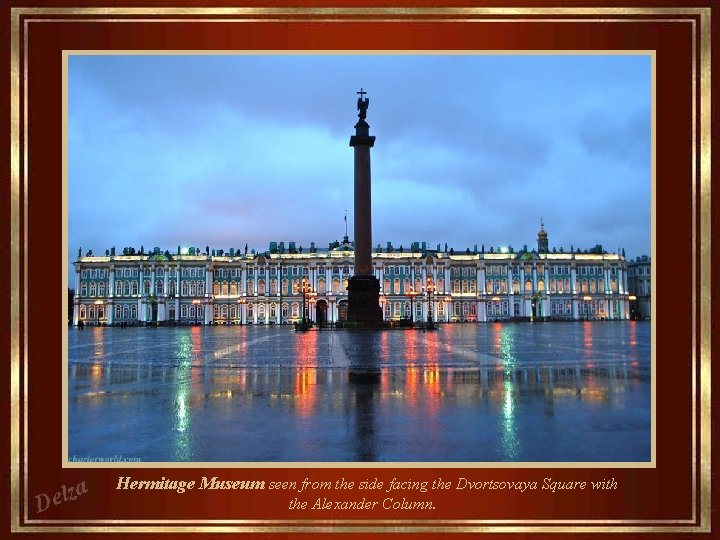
x,y
354,258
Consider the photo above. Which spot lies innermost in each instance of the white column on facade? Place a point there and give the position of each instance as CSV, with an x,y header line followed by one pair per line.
x,y
482,311
152,280
573,280
576,314
534,278
547,278
243,287
111,284
140,312
161,311
208,281
255,283
255,306
480,277
522,283
606,279
166,278
446,281
509,277
77,281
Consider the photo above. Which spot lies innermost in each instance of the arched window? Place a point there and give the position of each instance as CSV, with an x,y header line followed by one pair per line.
x,y
224,288
82,312
472,286
464,286
251,287
406,286
171,287
406,310
223,311
295,310
201,288
386,285
387,310
261,287
91,312
233,289
439,285
216,310
335,286
473,309
528,286
133,312
184,311
233,312
541,285
216,288
273,286
321,286
134,288
592,286
146,286
418,284
125,312
251,311
456,286
191,287
101,288
159,286
83,289
285,311
273,310
93,288
584,286
516,286
396,286
118,288
503,285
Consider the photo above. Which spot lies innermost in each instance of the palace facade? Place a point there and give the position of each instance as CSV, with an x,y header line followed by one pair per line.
x,y
280,285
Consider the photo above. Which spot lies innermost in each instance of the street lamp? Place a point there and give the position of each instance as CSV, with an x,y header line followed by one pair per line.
x,y
306,291
382,304
430,287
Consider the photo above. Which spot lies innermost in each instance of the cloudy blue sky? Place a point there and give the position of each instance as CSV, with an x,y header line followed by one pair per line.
x,y
471,149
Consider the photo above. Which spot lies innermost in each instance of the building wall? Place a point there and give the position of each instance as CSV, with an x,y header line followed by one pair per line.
x,y
267,289
640,287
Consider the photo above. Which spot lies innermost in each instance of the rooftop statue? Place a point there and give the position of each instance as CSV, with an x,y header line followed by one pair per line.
x,y
362,104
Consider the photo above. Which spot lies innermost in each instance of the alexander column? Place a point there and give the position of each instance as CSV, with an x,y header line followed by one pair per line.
x,y
363,287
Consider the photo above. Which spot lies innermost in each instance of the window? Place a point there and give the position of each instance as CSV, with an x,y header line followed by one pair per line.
x,y
233,289
336,285
516,286
284,287
146,286
159,287
261,287
541,285
387,310
82,312
251,311
224,288
295,310
528,286
191,286
83,274
216,288
133,312
273,286
284,311
118,312
273,311
93,288
396,286
201,288
456,286
321,286
233,312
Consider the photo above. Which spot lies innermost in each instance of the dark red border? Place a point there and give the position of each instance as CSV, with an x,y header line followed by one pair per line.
x,y
654,494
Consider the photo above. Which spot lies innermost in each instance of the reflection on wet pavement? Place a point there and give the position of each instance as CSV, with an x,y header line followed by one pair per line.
x,y
495,392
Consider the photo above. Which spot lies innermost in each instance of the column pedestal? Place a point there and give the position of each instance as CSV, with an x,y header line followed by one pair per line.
x,y
364,299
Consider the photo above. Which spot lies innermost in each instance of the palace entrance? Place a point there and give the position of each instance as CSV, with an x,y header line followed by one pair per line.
x,y
321,308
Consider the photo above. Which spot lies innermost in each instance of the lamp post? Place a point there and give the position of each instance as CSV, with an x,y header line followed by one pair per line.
x,y
382,304
430,288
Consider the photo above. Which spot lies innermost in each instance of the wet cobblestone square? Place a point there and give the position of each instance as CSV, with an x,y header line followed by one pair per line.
x,y
551,392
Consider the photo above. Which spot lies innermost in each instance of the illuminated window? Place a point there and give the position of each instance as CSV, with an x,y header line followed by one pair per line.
x,y
528,286
224,288
321,286
261,286
273,286
216,288
284,287
233,289
541,285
